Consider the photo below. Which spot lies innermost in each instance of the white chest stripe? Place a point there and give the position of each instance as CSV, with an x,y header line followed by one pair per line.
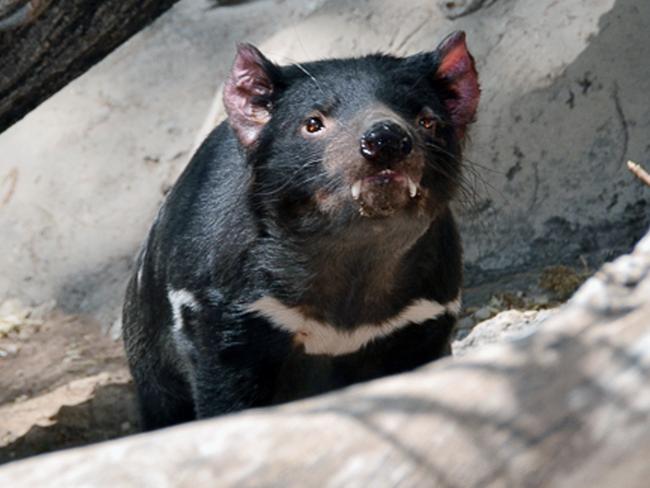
x,y
322,338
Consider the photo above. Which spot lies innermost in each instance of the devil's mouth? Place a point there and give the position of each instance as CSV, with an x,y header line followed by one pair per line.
x,y
385,178
384,193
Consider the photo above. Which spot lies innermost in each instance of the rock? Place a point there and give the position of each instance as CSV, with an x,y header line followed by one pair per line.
x,y
15,316
71,234
9,350
466,323
457,8
506,326
86,410
63,385
483,313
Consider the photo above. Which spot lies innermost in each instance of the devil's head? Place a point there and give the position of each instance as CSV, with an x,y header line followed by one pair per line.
x,y
373,139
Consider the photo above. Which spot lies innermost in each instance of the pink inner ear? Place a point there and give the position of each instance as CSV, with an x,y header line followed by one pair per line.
x,y
458,70
248,80
248,72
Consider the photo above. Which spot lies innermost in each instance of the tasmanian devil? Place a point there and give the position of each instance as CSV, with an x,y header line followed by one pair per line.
x,y
309,244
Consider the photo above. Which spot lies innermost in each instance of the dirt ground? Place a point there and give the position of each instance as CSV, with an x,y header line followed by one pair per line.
x,y
62,384
65,383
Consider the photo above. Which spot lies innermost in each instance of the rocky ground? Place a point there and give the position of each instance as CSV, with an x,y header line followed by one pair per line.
x,y
63,383
565,406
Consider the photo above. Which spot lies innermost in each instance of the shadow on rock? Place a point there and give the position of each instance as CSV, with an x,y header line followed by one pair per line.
x,y
109,413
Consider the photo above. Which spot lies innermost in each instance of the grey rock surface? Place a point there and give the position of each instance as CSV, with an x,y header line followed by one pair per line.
x,y
82,176
564,106
457,8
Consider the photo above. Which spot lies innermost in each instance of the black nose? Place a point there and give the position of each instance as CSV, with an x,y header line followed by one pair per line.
x,y
385,142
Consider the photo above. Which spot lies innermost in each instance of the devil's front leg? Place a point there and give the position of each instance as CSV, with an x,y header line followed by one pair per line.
x,y
236,362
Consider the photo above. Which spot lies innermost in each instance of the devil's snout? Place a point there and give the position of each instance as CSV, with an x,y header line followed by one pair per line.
x,y
384,143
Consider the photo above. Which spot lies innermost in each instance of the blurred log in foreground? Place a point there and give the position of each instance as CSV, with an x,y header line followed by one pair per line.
x,y
566,406
45,44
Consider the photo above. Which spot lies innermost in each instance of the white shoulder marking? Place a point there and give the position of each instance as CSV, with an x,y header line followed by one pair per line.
x,y
179,299
142,257
323,338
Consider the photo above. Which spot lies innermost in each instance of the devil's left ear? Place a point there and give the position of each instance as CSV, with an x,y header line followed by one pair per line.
x,y
457,71
248,93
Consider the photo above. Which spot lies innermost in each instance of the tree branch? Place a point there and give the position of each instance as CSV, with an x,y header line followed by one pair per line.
x,y
639,172
45,44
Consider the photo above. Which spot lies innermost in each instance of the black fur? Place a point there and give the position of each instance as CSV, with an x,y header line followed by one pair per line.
x,y
242,222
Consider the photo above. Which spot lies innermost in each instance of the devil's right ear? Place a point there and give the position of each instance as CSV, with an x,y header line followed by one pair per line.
x,y
248,93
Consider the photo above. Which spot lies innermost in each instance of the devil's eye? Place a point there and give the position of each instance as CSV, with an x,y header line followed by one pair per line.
x,y
314,124
427,122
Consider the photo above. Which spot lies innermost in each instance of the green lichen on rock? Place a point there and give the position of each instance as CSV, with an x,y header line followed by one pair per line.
x,y
561,281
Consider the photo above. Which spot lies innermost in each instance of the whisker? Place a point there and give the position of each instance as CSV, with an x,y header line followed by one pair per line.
x,y
464,158
312,77
296,174
471,197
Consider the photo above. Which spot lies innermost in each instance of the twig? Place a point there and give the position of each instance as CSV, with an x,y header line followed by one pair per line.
x,y
639,172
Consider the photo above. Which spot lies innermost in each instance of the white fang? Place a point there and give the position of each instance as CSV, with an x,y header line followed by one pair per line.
x,y
179,299
323,338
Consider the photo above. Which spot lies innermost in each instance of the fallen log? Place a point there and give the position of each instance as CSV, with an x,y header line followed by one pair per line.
x,y
566,406
45,44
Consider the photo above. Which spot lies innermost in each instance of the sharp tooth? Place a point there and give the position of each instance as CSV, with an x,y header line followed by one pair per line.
x,y
356,190
413,188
